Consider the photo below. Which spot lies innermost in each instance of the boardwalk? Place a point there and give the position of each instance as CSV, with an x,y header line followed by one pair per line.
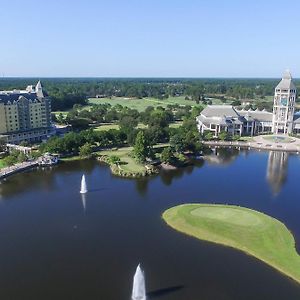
x,y
5,172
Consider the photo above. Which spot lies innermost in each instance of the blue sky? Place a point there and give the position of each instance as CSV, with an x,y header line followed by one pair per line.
x,y
143,38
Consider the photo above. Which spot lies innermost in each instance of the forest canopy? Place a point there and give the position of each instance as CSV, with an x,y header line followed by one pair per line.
x,y
65,92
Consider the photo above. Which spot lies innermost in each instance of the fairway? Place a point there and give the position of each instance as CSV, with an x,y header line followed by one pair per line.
x,y
241,228
229,215
142,104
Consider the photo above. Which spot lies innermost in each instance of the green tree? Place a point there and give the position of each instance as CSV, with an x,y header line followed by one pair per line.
x,y
60,118
208,135
177,142
224,136
128,123
142,148
21,157
114,159
85,150
10,160
167,155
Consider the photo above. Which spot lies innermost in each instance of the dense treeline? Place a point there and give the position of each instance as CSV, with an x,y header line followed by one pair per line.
x,y
156,129
66,92
126,117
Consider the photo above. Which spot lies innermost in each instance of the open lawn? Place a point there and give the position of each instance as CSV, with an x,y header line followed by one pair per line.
x,y
142,104
108,126
128,163
241,228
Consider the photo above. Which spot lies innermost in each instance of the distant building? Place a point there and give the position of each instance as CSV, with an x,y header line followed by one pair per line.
x,y
25,115
219,118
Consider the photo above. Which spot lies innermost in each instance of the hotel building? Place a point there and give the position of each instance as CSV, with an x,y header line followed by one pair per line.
x,y
25,115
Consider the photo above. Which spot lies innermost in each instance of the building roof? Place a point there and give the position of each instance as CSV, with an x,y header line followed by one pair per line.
x,y
286,82
219,111
258,115
220,115
226,114
4,98
30,93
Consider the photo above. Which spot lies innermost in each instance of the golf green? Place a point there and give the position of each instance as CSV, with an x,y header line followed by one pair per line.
x,y
244,229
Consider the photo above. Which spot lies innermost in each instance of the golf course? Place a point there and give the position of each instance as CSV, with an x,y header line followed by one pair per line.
x,y
244,229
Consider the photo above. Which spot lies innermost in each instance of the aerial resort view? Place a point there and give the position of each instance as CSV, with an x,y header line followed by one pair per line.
x,y
150,150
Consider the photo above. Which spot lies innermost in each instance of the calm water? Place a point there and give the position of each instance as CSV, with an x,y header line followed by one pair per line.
x,y
56,245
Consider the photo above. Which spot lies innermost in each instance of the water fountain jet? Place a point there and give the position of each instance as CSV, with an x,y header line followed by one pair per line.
x,y
138,289
83,188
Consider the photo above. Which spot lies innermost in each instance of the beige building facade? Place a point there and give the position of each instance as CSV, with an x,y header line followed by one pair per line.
x,y
25,115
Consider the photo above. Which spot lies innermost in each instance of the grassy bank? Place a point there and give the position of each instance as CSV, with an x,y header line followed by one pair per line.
x,y
244,229
127,162
73,158
128,166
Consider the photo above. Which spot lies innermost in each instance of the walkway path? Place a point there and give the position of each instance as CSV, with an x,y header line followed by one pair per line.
x,y
5,172
259,142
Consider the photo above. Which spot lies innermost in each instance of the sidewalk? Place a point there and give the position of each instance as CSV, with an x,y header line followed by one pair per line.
x,y
259,142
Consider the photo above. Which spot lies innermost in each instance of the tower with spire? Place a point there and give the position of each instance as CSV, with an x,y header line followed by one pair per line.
x,y
284,105
39,90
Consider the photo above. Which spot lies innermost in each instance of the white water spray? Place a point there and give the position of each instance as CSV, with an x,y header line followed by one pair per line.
x,y
138,289
83,189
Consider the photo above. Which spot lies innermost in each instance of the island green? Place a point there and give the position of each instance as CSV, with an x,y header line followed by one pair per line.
x,y
244,229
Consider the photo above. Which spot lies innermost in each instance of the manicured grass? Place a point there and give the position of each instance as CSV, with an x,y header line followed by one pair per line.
x,y
104,127
241,228
108,126
128,163
176,124
142,104
72,158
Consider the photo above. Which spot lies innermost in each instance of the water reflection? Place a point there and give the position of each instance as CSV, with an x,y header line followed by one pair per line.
x,y
277,170
142,186
83,201
50,224
277,166
222,156
276,173
18,183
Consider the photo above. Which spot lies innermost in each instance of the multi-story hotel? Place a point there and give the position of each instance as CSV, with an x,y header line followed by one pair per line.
x,y
25,115
283,120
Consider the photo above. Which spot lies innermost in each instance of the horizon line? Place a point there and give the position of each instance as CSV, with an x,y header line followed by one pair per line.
x,y
133,77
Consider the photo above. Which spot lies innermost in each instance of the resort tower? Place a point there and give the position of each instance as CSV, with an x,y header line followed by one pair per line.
x,y
284,105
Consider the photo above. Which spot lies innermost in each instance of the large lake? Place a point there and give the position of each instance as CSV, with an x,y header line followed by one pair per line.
x,y
54,244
